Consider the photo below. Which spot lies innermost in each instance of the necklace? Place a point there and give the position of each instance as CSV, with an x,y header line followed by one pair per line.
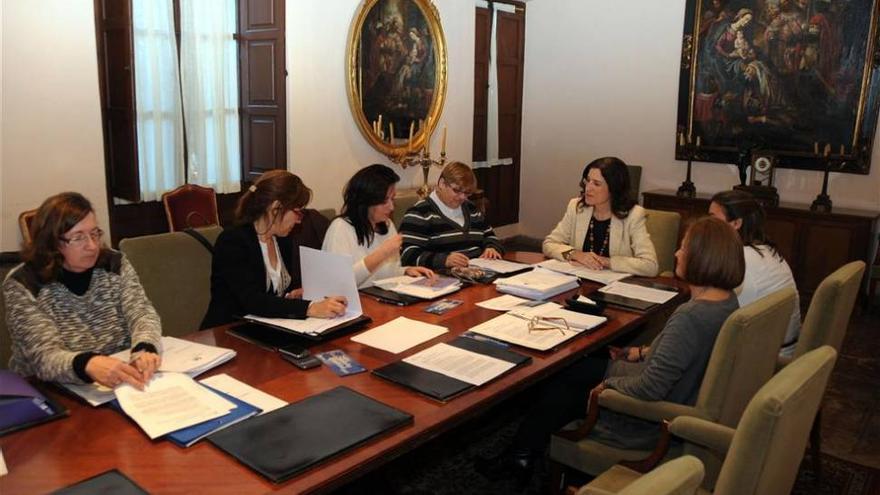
x,y
603,251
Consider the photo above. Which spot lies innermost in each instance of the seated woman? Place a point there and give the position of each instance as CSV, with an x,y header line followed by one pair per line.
x,y
766,269
250,272
603,227
74,301
671,369
445,229
364,229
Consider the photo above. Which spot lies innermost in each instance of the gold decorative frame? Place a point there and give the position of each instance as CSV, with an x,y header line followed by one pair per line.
x,y
396,151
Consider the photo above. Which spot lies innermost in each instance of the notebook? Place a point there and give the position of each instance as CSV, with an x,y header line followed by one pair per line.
x,y
290,440
439,386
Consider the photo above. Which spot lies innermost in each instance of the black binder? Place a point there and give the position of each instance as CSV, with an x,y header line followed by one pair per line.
x,y
437,385
287,441
109,482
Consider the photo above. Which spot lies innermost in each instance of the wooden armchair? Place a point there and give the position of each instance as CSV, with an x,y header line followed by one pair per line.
x,y
743,359
190,206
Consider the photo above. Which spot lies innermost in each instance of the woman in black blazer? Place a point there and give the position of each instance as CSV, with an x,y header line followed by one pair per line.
x,y
250,271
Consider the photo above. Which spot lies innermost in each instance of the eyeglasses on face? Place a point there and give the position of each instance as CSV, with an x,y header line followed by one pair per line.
x,y
82,238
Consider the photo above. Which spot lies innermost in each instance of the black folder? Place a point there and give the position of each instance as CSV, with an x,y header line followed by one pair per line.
x,y
287,441
110,482
437,385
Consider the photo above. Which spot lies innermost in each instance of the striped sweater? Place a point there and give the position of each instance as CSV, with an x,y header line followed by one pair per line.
x,y
429,236
50,326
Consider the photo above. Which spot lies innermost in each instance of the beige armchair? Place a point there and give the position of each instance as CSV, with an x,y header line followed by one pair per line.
x,y
743,359
763,453
680,476
825,324
663,228
175,270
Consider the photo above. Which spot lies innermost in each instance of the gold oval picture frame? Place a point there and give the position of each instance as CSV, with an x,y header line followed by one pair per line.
x,y
396,66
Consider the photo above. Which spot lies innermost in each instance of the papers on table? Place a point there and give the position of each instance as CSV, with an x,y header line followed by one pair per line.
x,y
178,355
420,287
309,326
641,292
243,391
170,402
513,327
399,335
537,284
461,364
503,303
601,276
499,266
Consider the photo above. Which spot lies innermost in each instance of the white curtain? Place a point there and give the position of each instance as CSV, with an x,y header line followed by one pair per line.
x,y
157,89
492,158
209,83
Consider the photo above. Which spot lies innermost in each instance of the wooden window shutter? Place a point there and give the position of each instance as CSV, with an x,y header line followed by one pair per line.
x,y
263,87
116,79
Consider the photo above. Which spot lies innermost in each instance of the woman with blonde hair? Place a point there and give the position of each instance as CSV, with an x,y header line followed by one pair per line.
x,y
250,272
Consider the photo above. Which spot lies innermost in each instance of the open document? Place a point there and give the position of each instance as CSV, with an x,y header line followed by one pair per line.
x,y
170,402
421,287
542,327
601,276
323,275
399,334
461,364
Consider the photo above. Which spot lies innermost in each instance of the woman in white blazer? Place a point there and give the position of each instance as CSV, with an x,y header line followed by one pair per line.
x,y
603,228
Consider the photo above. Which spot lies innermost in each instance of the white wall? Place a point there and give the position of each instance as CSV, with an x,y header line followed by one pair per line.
x,y
51,113
325,145
601,79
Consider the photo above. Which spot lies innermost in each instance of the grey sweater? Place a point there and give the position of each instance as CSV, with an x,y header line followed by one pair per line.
x,y
50,325
672,370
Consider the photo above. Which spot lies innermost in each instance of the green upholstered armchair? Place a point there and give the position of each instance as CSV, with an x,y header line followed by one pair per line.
x,y
743,359
175,270
763,453
680,476
663,228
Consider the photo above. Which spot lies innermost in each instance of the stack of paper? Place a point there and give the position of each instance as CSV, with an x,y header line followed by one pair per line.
x,y
499,266
640,292
178,355
537,284
513,326
399,334
421,287
601,276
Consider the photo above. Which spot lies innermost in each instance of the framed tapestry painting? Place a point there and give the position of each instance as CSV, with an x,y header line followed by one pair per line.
x,y
780,76
396,66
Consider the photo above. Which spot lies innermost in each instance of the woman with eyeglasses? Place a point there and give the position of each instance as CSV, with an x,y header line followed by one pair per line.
x,y
671,369
73,302
603,228
250,271
445,229
364,229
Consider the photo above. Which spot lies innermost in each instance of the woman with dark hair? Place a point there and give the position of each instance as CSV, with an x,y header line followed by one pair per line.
x,y
766,269
603,227
250,272
671,369
364,229
74,301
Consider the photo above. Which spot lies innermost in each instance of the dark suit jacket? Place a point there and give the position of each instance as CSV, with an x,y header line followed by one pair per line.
x,y
238,280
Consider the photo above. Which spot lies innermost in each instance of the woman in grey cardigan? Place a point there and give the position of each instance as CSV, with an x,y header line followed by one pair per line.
x,y
711,261
73,302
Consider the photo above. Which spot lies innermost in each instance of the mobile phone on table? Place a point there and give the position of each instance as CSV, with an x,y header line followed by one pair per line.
x,y
299,357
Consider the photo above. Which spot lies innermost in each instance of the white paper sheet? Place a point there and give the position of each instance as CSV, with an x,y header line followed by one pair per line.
x,y
498,266
245,392
467,366
601,276
639,292
503,303
170,402
329,274
399,334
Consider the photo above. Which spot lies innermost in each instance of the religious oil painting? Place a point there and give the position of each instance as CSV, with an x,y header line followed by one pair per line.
x,y
780,76
397,71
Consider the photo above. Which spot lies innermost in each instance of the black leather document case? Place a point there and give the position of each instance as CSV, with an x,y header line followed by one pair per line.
x,y
437,385
287,441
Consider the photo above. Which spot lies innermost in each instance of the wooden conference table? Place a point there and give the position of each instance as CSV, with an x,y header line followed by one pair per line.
x,y
93,440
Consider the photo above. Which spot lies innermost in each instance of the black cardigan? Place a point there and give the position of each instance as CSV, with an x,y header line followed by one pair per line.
x,y
238,280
